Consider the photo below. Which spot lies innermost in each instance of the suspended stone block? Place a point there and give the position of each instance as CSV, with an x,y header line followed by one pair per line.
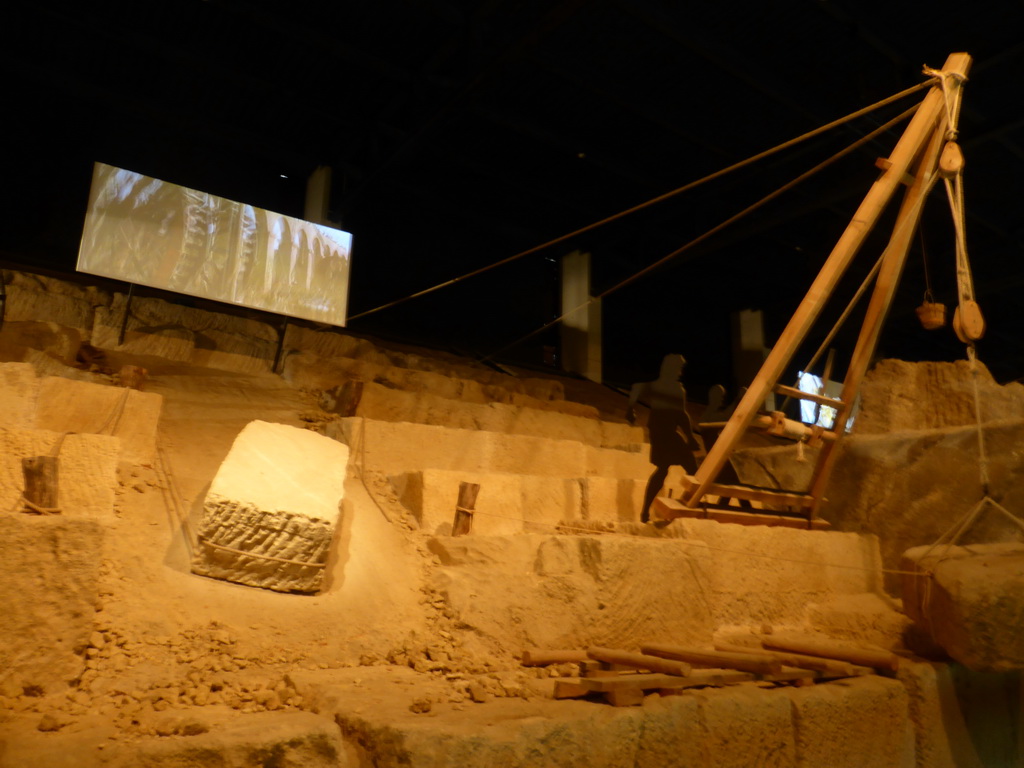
x,y
972,604
270,515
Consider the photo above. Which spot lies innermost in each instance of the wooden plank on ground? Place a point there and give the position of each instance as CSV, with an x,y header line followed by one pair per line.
x,y
868,657
828,667
794,675
569,689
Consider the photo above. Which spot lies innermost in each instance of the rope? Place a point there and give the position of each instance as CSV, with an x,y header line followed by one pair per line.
x,y
173,498
953,94
714,230
660,198
113,420
361,470
39,510
972,356
55,451
955,194
207,543
928,296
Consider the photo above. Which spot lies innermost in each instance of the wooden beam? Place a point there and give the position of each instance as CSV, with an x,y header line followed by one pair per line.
x,y
799,394
893,260
639,661
832,667
744,662
763,495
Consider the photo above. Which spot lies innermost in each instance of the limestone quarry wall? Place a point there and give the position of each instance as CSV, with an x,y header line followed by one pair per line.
x,y
699,579
931,716
457,609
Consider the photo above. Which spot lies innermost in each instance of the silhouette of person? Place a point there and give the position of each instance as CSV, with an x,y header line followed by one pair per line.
x,y
669,427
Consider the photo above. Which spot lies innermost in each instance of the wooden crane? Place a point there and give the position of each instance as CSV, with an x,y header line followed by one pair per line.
x,y
925,153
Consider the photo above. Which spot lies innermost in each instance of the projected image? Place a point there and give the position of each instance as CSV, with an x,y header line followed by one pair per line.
x,y
150,232
822,415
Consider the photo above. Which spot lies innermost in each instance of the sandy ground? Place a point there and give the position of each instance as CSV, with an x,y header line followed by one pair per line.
x,y
411,633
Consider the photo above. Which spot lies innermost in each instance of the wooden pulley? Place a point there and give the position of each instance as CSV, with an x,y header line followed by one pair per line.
x,y
968,322
931,313
951,161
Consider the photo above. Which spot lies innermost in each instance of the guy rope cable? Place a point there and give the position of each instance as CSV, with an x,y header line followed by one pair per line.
x,y
717,228
667,195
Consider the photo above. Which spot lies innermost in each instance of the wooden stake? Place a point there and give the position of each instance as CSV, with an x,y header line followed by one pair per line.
x,y
893,259
465,508
40,484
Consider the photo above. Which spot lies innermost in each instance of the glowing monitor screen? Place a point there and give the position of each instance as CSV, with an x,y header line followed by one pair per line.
x,y
150,232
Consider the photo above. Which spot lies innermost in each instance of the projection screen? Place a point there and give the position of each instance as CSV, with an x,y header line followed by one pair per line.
x,y
151,232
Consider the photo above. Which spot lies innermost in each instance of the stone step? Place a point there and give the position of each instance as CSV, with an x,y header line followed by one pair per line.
x,y
522,415
398,447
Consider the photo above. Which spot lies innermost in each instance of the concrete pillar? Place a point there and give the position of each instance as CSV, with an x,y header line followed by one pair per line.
x,y
581,326
748,349
318,195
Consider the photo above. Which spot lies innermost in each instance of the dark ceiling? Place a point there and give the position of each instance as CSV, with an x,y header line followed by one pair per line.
x,y
460,134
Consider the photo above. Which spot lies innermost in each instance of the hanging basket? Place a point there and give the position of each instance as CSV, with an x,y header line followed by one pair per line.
x,y
931,314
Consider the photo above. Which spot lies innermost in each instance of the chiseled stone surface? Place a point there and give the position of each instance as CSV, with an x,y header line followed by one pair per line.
x,y
573,591
897,396
271,513
972,604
